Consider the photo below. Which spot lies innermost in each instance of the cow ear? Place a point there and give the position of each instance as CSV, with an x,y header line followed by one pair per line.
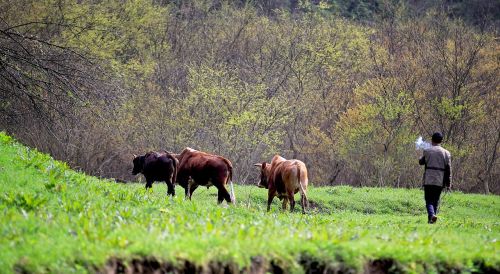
x,y
264,165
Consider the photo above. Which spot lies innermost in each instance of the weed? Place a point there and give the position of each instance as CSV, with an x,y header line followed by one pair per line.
x,y
54,219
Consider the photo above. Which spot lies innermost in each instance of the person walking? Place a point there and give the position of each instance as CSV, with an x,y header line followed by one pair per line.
x,y
437,174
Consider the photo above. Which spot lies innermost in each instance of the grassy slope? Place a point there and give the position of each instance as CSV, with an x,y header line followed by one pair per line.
x,y
56,220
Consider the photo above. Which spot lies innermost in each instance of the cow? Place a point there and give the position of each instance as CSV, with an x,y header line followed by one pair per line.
x,y
198,168
157,166
284,178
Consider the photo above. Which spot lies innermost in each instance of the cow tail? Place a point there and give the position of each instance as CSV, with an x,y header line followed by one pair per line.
x,y
176,164
299,180
302,183
230,179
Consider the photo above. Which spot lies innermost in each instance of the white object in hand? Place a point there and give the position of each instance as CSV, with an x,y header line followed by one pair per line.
x,y
421,144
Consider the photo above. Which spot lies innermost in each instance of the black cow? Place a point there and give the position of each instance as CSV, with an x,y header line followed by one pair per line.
x,y
157,166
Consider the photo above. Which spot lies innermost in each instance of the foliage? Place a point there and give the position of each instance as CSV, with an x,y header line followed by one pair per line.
x,y
233,117
378,131
58,220
345,86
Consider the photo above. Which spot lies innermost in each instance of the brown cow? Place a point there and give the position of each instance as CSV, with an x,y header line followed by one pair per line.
x,y
157,166
284,178
199,168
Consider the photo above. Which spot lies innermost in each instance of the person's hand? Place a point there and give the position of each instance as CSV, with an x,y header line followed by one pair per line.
x,y
421,160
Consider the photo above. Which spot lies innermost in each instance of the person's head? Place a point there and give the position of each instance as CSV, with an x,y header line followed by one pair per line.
x,y
437,138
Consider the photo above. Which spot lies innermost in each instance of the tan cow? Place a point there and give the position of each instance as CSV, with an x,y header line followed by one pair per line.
x,y
284,178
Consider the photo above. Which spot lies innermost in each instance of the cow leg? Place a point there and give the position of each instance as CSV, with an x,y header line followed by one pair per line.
x,y
223,195
303,199
149,184
191,190
292,200
270,197
187,190
183,181
170,188
227,196
186,183
220,197
192,185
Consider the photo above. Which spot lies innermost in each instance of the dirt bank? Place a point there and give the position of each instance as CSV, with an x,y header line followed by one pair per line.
x,y
260,265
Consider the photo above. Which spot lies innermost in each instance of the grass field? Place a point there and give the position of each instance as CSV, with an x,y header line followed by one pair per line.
x,y
55,220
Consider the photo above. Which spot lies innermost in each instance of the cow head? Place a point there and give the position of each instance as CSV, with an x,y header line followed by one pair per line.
x,y
265,170
138,164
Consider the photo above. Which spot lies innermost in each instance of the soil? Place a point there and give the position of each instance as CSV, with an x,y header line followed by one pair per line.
x,y
260,265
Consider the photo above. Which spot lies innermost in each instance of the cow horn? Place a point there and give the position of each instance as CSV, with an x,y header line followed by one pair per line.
x,y
259,164
134,156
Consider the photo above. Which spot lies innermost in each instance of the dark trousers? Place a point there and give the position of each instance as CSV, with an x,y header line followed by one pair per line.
x,y
431,194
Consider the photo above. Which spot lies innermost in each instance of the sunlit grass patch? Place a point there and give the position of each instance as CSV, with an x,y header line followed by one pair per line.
x,y
58,220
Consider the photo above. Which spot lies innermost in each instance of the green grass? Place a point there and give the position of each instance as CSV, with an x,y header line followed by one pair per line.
x,y
55,220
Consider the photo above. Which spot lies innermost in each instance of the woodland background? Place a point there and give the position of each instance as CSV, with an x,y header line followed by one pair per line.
x,y
345,86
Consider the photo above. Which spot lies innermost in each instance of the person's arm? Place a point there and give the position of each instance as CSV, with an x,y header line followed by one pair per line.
x,y
447,171
421,161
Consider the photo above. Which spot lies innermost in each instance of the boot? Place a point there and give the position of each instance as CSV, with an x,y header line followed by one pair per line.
x,y
433,219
